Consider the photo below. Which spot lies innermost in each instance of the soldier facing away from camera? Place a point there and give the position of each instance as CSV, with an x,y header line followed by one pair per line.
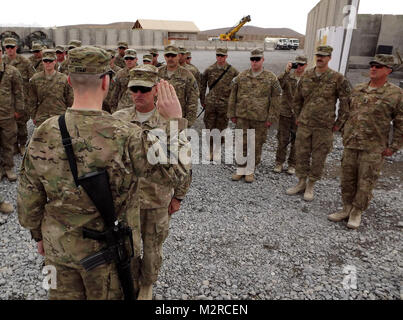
x,y
56,209
373,106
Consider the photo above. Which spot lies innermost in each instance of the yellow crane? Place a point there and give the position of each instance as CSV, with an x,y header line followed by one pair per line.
x,y
231,34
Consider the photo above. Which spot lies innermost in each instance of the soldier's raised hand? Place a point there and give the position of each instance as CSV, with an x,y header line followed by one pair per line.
x,y
168,104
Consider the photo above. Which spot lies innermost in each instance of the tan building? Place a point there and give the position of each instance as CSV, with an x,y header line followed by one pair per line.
x,y
177,30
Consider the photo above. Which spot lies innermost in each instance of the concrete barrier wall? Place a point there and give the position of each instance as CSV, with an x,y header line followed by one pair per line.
x,y
391,33
365,37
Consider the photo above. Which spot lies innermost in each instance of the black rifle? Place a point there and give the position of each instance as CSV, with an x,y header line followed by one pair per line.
x,y
96,185
214,84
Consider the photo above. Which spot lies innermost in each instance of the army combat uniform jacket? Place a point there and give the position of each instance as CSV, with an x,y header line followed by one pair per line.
x,y
219,95
50,204
119,61
11,92
120,96
255,98
288,82
156,191
186,89
316,97
48,96
36,63
371,111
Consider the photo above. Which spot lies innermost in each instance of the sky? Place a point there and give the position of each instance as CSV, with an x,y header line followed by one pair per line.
x,y
206,14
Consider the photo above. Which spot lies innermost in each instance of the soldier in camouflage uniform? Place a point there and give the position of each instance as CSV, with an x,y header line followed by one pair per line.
x,y
373,106
49,93
11,106
314,108
147,59
287,128
60,56
216,101
183,81
55,210
182,54
121,97
27,71
159,199
253,104
196,72
63,68
106,104
119,60
36,58
155,62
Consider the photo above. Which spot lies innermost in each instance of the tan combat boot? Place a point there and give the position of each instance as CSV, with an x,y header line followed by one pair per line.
x,y
355,218
308,196
145,293
11,176
236,177
291,170
278,168
250,178
6,207
300,187
341,215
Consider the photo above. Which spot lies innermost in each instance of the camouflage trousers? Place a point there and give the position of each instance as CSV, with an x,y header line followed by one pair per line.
x,y
8,138
360,172
312,147
260,137
22,135
286,135
101,283
154,231
215,116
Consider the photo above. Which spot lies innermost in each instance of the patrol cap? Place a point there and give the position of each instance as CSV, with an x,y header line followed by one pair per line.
x,y
36,47
182,50
188,53
123,44
10,42
256,53
74,44
49,54
324,51
171,49
222,51
89,60
386,60
153,51
145,75
130,53
59,49
301,59
147,57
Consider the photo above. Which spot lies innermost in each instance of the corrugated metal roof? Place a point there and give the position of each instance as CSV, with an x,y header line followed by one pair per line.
x,y
172,26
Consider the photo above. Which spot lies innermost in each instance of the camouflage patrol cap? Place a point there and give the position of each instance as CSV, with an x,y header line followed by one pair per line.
x,y
89,60
386,60
59,49
74,44
10,42
171,49
301,59
145,75
153,51
222,51
123,44
257,53
36,47
324,51
49,54
130,53
147,57
188,53
182,50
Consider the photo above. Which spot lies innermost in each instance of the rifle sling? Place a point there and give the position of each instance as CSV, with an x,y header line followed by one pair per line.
x,y
219,78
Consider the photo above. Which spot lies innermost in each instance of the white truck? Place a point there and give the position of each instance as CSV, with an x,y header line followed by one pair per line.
x,y
279,43
293,43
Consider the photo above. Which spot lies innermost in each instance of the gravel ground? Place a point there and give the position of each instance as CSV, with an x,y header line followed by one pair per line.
x,y
233,240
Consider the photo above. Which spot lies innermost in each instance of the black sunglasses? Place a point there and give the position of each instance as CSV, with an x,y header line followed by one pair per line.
x,y
377,66
170,55
36,51
47,60
129,58
154,55
220,55
256,59
188,58
122,48
142,89
10,47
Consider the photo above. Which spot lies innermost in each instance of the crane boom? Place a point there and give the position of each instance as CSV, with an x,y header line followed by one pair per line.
x,y
230,35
